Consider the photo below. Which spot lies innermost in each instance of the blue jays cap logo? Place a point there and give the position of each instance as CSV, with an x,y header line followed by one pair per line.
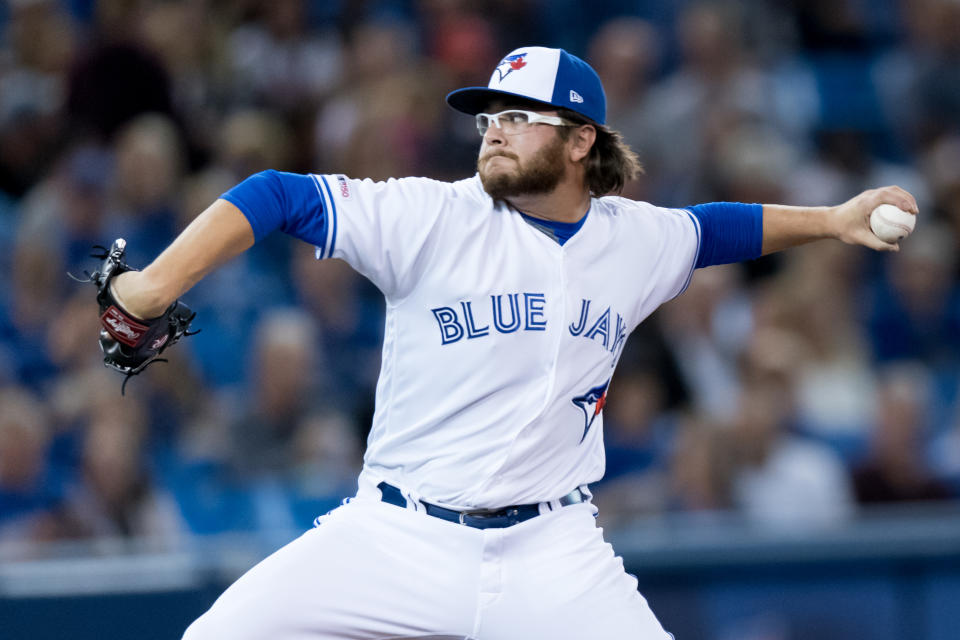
x,y
591,403
510,64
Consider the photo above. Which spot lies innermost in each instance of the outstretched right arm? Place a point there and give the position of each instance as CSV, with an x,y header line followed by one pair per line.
x,y
263,202
216,235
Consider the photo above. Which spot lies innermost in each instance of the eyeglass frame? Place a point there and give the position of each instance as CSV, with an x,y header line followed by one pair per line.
x,y
532,118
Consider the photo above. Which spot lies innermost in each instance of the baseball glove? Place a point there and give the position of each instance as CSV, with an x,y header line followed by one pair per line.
x,y
130,344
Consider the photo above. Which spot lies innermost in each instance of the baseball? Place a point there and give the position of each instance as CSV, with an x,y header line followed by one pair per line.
x,y
891,223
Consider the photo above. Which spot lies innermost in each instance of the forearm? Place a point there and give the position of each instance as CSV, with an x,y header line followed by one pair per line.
x,y
216,235
785,226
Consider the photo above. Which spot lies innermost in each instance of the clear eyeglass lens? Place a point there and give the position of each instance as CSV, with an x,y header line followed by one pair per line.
x,y
514,121
509,121
483,123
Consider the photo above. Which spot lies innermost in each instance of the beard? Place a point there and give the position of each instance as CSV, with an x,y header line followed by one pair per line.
x,y
541,174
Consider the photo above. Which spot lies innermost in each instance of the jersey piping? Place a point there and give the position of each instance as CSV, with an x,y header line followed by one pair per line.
x,y
321,250
696,256
333,226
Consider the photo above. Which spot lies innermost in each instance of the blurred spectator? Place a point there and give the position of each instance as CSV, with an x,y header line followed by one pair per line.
x,y
252,140
350,313
895,470
816,296
327,456
248,141
940,162
384,123
278,60
920,81
68,342
116,496
114,83
40,45
782,480
285,386
35,293
844,166
149,165
914,310
750,163
637,435
626,55
702,468
716,85
463,40
706,328
191,42
26,482
67,207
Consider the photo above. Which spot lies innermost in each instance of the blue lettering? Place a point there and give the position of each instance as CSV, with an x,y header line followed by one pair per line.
x,y
536,318
620,336
601,327
450,329
472,330
582,324
498,322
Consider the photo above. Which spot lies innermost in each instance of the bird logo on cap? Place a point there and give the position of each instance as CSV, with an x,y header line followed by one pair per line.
x,y
510,64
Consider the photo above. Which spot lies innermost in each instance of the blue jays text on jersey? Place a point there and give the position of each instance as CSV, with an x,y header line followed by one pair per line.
x,y
508,314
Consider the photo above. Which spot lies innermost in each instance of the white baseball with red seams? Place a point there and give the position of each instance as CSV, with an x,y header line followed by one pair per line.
x,y
891,223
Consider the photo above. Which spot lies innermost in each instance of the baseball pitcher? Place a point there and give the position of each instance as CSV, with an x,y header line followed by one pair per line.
x,y
510,295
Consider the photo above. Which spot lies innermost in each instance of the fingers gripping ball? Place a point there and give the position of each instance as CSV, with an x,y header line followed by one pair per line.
x,y
891,223
130,344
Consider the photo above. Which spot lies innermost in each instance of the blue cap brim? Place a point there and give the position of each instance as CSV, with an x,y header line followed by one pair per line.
x,y
474,100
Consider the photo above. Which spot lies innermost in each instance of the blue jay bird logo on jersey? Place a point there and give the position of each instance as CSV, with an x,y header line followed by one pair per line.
x,y
510,64
591,403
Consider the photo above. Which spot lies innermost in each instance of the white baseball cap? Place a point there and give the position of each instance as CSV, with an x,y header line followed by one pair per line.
x,y
551,77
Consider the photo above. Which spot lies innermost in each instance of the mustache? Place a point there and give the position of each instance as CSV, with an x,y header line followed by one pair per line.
x,y
494,154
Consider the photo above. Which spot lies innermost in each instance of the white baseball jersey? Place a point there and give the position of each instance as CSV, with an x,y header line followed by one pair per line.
x,y
500,343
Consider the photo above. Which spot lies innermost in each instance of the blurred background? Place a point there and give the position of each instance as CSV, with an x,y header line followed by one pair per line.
x,y
783,440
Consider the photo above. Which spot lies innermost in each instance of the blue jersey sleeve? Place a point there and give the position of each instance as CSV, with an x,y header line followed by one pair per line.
x,y
729,232
290,202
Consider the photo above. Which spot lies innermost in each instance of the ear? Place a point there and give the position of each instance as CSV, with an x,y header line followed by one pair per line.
x,y
581,141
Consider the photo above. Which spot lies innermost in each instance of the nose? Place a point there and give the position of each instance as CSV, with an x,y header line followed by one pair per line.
x,y
494,135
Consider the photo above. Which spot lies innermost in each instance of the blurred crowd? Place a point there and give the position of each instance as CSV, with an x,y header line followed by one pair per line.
x,y
790,390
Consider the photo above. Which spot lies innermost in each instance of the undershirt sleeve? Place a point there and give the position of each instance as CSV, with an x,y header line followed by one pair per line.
x,y
730,232
290,202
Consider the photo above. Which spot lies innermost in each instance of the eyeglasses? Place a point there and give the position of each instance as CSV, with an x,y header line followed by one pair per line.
x,y
517,120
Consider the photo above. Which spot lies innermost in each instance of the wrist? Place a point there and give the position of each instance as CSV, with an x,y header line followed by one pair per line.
x,y
825,222
135,294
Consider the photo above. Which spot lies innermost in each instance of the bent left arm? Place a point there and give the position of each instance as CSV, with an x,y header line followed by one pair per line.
x,y
785,226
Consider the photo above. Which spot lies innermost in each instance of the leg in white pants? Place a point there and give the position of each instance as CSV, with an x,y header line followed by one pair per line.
x,y
374,570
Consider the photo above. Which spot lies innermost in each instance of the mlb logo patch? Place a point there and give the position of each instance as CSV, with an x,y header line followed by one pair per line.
x,y
344,187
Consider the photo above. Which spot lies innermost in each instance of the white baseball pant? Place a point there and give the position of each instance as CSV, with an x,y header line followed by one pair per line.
x,y
373,570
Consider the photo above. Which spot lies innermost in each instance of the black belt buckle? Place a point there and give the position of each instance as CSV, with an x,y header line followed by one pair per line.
x,y
486,513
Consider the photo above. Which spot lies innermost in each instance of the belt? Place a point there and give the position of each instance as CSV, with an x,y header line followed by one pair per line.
x,y
479,518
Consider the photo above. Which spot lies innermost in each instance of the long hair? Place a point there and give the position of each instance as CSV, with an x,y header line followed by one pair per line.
x,y
611,162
